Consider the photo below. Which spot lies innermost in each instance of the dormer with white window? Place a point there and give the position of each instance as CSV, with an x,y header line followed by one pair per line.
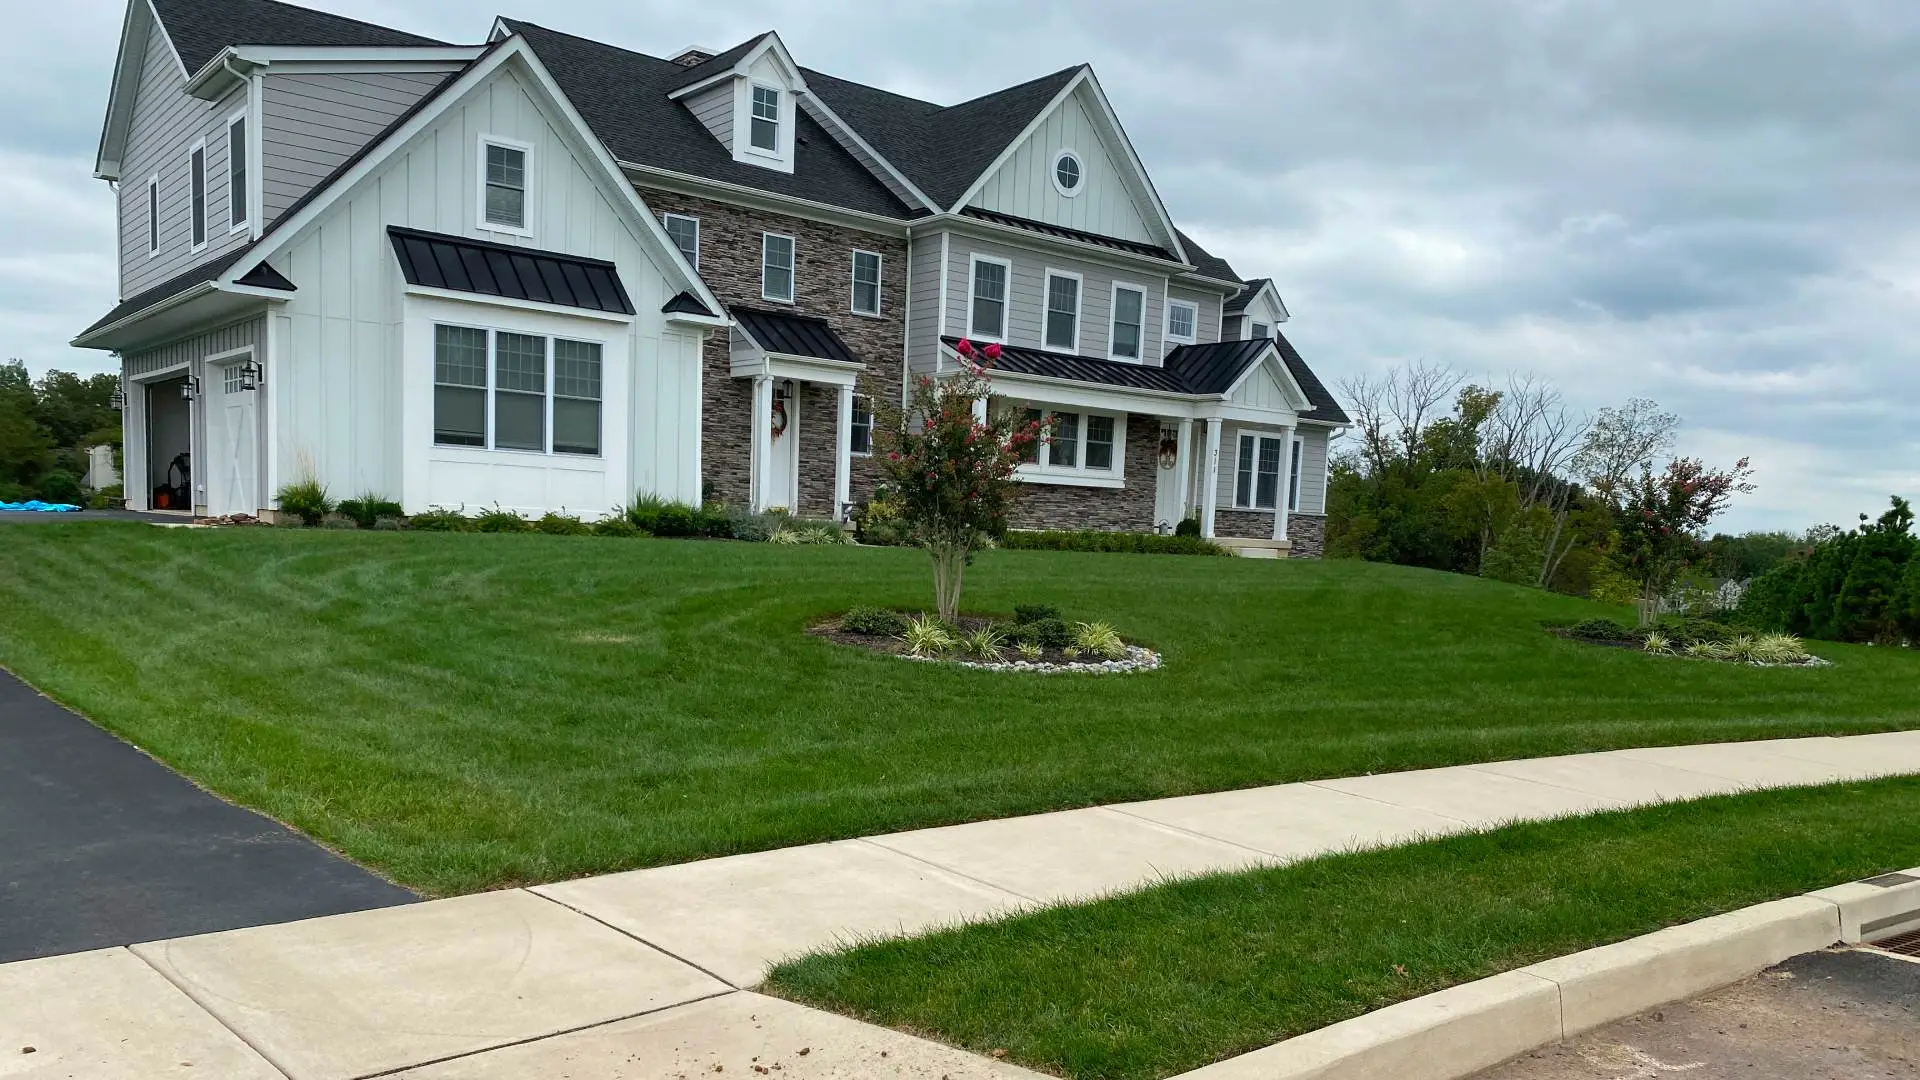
x,y
748,98
1255,314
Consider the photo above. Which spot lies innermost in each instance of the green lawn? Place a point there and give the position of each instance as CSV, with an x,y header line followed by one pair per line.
x,y
1175,977
469,711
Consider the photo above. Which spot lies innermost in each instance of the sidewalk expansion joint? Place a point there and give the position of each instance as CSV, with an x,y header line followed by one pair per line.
x,y
670,954
275,1065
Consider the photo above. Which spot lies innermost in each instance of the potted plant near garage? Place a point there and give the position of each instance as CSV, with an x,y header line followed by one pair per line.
x,y
951,471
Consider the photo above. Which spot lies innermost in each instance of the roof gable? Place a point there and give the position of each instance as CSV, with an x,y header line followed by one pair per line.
x,y
199,29
623,97
1103,203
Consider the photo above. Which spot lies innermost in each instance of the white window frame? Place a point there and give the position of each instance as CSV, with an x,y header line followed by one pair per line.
x,y
245,224
793,268
492,428
1253,483
1253,336
1053,173
1296,466
153,216
1194,322
1113,319
853,282
778,121
665,222
197,177
1006,296
871,418
1046,306
1044,470
527,185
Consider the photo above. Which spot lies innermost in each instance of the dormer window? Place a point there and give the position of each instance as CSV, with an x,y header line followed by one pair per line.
x,y
765,132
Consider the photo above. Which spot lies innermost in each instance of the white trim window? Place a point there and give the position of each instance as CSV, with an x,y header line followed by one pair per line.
x,y
1259,331
237,172
866,282
1069,175
1293,475
153,215
860,437
197,187
684,231
987,294
502,390
764,123
506,176
1183,321
1256,482
1079,443
1062,329
776,267
1128,330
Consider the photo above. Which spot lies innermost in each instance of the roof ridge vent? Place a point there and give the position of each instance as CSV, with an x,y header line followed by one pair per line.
x,y
694,55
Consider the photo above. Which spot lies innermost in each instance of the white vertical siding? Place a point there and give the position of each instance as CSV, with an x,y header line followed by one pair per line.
x,y
339,406
311,123
1023,186
167,121
191,351
1026,300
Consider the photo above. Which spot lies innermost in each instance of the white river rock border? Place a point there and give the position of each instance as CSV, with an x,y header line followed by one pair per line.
x,y
1137,660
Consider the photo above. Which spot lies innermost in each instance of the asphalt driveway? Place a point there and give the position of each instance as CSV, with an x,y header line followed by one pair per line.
x,y
101,845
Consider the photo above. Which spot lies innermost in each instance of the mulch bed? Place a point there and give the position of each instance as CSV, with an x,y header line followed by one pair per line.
x,y
893,646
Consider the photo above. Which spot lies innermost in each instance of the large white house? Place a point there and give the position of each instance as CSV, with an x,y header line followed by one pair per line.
x,y
549,273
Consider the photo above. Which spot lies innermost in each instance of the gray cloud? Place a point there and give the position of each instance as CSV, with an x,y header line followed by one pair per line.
x,y
1710,203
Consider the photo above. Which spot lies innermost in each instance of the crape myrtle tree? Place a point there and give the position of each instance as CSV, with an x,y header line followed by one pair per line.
x,y
1664,517
950,462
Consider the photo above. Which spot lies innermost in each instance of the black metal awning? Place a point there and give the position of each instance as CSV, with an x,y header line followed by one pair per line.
x,y
439,261
793,335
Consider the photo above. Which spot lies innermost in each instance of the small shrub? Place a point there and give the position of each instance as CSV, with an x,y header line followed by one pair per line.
x,y
1710,650
386,523
879,522
1601,630
645,511
1049,633
677,519
784,536
335,521
1029,650
1188,527
441,519
1032,613
715,520
498,520
1686,630
810,532
1657,642
1779,649
616,525
927,636
61,486
561,524
753,528
1099,639
874,622
985,643
368,508
1138,543
306,500
1072,651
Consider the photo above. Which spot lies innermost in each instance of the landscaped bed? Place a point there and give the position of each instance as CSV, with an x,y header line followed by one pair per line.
x,y
1172,978
464,711
1035,640
1695,639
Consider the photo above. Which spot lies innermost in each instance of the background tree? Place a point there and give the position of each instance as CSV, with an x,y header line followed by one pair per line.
x,y
1664,517
952,472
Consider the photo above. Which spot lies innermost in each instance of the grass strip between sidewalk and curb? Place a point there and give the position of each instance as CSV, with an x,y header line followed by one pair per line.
x,y
1172,978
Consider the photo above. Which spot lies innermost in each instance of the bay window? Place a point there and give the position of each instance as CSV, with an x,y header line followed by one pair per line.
x,y
500,390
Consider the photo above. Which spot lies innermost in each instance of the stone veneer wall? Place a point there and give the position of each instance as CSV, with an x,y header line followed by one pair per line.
x,y
1309,535
1243,524
823,255
1127,509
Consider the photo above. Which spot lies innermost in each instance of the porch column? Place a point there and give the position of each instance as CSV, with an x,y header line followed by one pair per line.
x,y
1286,484
843,455
760,440
1210,491
1183,469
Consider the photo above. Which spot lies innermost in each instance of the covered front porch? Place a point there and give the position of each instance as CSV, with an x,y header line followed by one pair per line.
x,y
806,420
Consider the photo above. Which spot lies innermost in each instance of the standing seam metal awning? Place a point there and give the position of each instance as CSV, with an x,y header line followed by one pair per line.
x,y
439,261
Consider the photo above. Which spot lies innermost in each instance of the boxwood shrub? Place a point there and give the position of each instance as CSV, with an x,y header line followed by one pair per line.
x,y
1141,543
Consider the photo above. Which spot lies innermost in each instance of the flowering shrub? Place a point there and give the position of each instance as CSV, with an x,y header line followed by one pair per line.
x,y
950,472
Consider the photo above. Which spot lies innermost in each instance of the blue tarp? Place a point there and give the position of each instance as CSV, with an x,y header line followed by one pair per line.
x,y
35,505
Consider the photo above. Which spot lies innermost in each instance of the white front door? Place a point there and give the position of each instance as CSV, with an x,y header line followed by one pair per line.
x,y
784,474
233,476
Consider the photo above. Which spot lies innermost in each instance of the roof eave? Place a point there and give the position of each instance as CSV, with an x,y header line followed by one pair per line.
x,y
952,217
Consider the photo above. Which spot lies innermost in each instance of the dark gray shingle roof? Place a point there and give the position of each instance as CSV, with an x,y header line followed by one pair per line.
x,y
623,96
718,62
199,29
943,150
1209,265
1325,407
1252,289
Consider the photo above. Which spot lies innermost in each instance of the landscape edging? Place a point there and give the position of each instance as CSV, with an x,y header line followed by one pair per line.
x,y
1464,1029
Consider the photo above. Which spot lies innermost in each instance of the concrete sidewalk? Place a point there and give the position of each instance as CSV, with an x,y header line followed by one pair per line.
x,y
644,974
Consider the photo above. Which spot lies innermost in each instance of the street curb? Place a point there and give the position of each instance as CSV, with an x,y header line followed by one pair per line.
x,y
1463,1029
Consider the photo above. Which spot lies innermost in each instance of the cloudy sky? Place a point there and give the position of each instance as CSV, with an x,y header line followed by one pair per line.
x,y
1712,203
